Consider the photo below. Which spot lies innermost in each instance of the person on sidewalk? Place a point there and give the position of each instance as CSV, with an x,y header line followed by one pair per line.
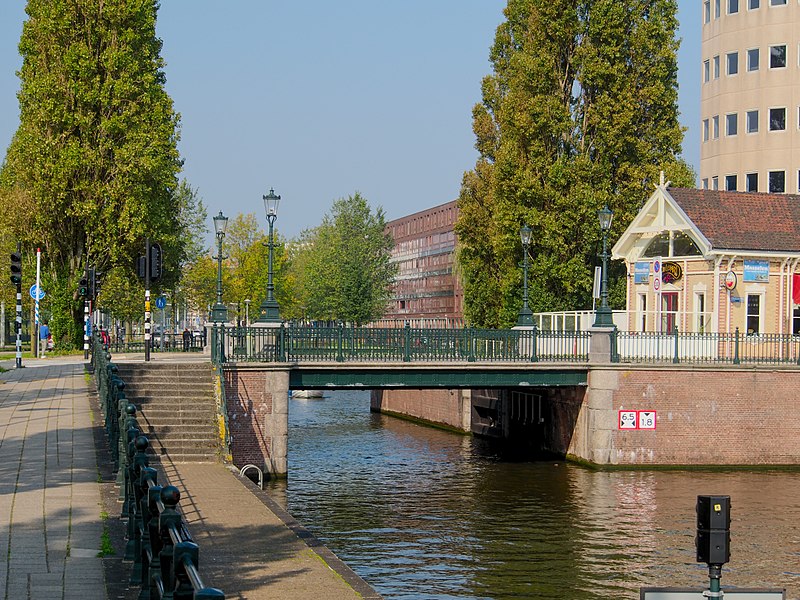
x,y
44,337
187,339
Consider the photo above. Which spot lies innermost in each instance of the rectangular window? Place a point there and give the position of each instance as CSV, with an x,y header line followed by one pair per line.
x,y
700,311
732,124
707,11
716,67
753,313
733,7
777,56
643,312
715,126
716,9
753,4
730,183
752,121
777,182
796,321
706,71
777,119
705,130
777,2
798,182
752,59
669,310
752,182
732,60
705,183
715,183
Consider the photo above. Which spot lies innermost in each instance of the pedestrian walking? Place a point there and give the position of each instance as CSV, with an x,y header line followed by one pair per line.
x,y
187,339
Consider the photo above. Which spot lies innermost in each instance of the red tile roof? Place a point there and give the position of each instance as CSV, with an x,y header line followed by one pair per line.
x,y
743,220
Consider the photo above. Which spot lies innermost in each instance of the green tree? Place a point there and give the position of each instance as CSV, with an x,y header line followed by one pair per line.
x,y
347,274
580,111
93,165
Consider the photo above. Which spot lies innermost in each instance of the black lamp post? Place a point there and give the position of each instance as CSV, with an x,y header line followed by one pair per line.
x,y
269,308
219,313
525,315
603,316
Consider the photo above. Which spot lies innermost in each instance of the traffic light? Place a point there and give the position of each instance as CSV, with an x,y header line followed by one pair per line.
x,y
83,286
97,282
155,262
713,539
16,267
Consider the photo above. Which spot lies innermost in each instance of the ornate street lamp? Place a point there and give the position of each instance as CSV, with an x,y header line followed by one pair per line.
x,y
525,315
219,314
604,316
269,308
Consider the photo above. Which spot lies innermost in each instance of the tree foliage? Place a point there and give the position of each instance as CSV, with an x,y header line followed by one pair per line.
x,y
92,169
580,111
341,270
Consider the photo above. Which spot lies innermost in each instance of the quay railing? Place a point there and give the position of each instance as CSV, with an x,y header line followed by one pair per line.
x,y
406,344
172,342
706,348
165,558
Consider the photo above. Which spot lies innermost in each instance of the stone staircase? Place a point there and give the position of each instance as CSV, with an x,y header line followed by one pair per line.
x,y
175,408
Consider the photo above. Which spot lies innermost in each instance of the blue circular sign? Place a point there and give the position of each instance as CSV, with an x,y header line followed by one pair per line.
x,y
36,292
161,302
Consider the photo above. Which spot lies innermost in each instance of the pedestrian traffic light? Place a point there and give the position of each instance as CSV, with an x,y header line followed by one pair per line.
x,y
713,539
16,268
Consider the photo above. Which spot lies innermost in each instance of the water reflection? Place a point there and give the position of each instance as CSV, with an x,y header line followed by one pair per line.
x,y
421,513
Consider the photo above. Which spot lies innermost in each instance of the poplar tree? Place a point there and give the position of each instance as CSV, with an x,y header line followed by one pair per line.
x,y
92,169
580,111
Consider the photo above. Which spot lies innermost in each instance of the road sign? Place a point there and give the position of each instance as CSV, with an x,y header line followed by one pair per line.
x,y
36,291
647,419
627,419
161,302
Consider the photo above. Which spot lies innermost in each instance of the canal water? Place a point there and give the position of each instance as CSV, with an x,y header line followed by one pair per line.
x,y
425,514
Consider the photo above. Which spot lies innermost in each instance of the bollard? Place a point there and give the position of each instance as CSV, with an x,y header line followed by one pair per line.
x,y
170,518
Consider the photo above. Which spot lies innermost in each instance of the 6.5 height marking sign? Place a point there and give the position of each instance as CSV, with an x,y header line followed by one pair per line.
x,y
637,419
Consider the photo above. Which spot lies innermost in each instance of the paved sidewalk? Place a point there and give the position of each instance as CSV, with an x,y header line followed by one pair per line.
x,y
49,492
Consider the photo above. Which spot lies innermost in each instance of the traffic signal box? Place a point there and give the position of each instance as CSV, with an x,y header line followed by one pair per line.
x,y
713,539
83,286
16,268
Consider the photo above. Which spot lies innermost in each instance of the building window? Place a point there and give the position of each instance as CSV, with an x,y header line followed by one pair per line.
x,y
716,67
752,182
777,119
752,59
777,56
777,182
753,314
732,60
669,311
706,71
707,11
705,130
716,9
796,321
715,126
752,121
731,124
700,311
733,7
777,2
753,4
705,183
643,312
715,183
730,183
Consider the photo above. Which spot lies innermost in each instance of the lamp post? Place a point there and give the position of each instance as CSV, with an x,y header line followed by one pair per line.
x,y
604,316
269,307
247,312
219,313
525,315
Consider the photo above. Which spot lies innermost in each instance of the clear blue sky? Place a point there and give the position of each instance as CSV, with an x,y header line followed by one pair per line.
x,y
322,99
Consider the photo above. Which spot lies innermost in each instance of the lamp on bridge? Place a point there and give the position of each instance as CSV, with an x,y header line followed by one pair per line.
x,y
603,316
219,314
269,308
247,312
525,317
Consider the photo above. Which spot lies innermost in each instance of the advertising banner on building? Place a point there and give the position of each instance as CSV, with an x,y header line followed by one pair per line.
x,y
756,270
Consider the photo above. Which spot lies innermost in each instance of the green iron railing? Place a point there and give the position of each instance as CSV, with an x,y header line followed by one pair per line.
x,y
407,344
706,348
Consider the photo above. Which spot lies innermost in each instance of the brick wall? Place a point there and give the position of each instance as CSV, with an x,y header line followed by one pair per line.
x,y
705,417
443,407
249,403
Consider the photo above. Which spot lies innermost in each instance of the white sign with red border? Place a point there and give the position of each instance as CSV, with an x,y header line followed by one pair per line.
x,y
647,419
637,419
628,419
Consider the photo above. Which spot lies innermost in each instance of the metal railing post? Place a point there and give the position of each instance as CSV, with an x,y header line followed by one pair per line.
x,y
407,343
282,343
340,343
535,343
675,358
736,360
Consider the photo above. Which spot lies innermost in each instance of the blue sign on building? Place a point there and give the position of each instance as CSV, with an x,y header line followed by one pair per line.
x,y
641,271
756,270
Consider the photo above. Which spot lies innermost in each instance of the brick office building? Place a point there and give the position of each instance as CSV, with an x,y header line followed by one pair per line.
x,y
426,286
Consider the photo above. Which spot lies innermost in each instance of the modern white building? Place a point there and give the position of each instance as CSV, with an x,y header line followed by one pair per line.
x,y
750,96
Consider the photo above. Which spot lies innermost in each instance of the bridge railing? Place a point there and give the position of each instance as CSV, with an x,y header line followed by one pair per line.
x,y
165,559
406,344
706,348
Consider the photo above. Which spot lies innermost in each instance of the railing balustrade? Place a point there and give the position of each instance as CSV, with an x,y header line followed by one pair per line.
x,y
165,559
